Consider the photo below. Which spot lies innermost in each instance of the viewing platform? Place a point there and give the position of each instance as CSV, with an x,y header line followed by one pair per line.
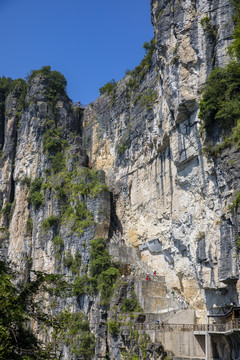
x,y
191,340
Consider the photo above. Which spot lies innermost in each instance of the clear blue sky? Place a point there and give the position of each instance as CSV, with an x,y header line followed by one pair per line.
x,y
89,41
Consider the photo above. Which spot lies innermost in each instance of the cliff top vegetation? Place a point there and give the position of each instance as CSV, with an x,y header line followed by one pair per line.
x,y
220,103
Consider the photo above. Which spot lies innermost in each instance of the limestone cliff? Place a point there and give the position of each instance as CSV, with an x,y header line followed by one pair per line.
x,y
166,206
145,136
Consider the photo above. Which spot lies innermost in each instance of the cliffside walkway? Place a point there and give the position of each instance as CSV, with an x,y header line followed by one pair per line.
x,y
191,341
197,329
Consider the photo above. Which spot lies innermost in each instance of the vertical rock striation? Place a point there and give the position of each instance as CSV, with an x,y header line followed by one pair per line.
x,y
168,204
145,136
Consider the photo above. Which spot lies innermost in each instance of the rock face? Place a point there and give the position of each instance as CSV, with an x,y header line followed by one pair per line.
x,y
24,159
145,136
167,201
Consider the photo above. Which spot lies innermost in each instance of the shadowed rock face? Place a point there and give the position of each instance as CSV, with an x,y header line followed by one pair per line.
x,y
165,198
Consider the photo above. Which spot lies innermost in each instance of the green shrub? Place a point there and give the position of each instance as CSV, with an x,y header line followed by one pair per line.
x,y
36,196
236,202
208,27
92,182
25,180
20,304
200,236
146,46
103,269
223,108
29,227
6,210
131,304
108,88
205,22
148,99
17,86
80,216
72,329
127,356
122,145
83,285
106,281
145,63
100,258
56,82
49,222
76,263
53,140
220,104
58,242
114,327
58,249
128,72
73,264
103,272
58,162
234,49
68,259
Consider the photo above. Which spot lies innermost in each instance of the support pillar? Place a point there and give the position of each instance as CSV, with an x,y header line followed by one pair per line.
x,y
208,346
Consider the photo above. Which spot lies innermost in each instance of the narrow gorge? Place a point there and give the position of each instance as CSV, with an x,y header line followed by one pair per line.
x,y
132,201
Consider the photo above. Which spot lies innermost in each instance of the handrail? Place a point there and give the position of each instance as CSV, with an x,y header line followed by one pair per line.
x,y
231,325
79,104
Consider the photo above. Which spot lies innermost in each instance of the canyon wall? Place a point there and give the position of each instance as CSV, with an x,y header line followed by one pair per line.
x,y
166,203
145,136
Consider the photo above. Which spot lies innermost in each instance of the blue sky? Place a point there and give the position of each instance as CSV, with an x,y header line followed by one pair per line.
x,y
89,42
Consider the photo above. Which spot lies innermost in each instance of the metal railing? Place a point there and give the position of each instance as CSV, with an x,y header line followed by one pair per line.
x,y
230,326
79,104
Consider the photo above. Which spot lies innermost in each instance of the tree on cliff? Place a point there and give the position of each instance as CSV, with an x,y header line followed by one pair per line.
x,y
23,303
17,341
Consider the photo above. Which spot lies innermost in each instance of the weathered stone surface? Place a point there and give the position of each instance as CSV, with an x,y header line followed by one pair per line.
x,y
30,246
165,188
167,202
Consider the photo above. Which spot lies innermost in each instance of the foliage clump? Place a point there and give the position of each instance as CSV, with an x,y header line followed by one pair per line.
x,y
29,226
131,304
137,75
122,145
53,140
75,333
210,29
103,270
221,97
236,202
25,180
108,88
72,263
220,104
148,99
18,306
79,216
142,68
19,88
114,327
103,273
234,49
36,196
7,210
56,82
49,222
